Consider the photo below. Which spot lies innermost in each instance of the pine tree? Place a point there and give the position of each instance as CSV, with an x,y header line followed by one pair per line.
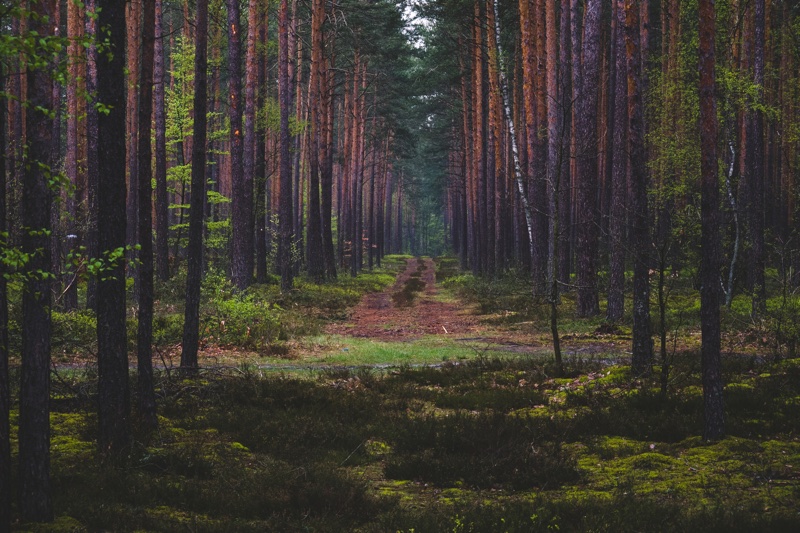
x,y
144,272
34,416
112,349
191,324
714,427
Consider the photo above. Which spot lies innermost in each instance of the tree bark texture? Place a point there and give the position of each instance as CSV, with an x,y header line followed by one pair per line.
x,y
34,417
619,174
144,339
112,349
642,359
714,425
162,201
587,228
286,220
191,324
242,195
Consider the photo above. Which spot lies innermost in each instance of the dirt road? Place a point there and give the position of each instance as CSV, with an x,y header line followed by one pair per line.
x,y
386,316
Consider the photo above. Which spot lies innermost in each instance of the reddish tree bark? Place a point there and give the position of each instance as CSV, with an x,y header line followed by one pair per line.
x,y
316,255
642,349
285,162
162,202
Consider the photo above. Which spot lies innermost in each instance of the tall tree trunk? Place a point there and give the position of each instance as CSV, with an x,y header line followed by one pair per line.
x,y
191,324
34,401
479,139
134,26
755,168
576,45
92,154
555,160
286,220
16,130
586,198
162,202
242,197
250,127
316,256
539,188
642,337
58,235
5,384
508,118
260,208
144,340
326,173
494,163
112,350
75,174
714,426
619,173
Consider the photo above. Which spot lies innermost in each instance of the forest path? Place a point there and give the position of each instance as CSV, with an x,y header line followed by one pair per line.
x,y
395,315
441,319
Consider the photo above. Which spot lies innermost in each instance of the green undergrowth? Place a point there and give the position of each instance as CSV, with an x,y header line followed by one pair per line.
x,y
507,301
485,444
259,319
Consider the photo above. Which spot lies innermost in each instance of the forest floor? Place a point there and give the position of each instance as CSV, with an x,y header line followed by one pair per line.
x,y
414,309
430,405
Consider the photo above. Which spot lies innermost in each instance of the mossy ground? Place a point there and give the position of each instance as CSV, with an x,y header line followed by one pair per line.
x,y
487,444
483,441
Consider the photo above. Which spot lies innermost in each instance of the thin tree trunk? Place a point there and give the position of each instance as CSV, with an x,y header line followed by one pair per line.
x,y
92,155
5,384
538,187
75,175
755,169
642,349
507,116
714,426
134,23
326,174
619,174
58,235
144,339
586,195
316,255
250,137
162,202
242,197
261,206
191,325
286,219
555,160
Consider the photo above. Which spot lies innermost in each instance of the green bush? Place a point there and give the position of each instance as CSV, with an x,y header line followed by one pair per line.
x,y
74,332
167,329
242,321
